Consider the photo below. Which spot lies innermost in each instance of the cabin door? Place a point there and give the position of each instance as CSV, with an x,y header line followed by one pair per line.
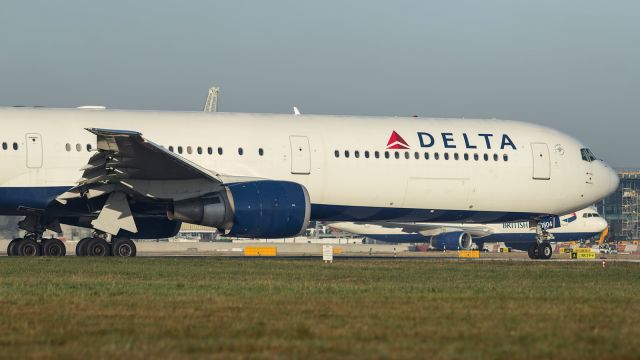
x,y
300,155
541,161
34,151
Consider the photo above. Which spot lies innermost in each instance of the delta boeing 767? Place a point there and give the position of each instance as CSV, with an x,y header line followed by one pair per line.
x,y
139,174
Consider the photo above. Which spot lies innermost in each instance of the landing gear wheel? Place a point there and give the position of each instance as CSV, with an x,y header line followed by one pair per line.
x,y
29,247
123,247
81,247
12,249
53,247
533,251
98,247
545,251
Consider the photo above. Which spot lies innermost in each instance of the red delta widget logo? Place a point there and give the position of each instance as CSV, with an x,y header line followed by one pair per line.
x,y
396,142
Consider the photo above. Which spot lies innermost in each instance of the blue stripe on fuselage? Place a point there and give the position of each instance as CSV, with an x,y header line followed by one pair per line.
x,y
323,212
12,199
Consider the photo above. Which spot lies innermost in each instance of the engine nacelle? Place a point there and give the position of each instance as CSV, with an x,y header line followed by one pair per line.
x,y
255,209
457,240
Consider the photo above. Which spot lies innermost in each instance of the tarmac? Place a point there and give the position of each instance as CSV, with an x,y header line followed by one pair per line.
x,y
341,252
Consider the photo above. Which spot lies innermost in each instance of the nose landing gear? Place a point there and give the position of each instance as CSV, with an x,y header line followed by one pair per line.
x,y
541,251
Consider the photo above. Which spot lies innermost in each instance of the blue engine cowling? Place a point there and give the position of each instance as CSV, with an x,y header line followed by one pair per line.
x,y
457,240
269,209
254,209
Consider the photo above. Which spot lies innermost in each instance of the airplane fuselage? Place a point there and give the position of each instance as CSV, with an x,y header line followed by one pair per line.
x,y
435,170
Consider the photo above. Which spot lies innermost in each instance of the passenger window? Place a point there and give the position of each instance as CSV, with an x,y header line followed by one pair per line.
x,y
406,155
78,147
466,157
386,154
486,157
495,157
346,154
426,156
260,152
446,156
476,157
240,151
356,154
366,154
179,149
416,155
397,155
377,154
67,146
436,156
337,153
220,151
456,156
88,147
209,150
505,157
189,150
199,150
170,148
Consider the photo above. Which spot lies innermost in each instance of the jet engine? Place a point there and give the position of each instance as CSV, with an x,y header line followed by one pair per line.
x,y
457,240
255,209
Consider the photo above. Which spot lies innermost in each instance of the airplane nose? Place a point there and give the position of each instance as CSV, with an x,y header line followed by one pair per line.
x,y
602,224
614,180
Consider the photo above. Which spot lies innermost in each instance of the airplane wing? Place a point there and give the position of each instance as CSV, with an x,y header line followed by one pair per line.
x,y
126,161
128,166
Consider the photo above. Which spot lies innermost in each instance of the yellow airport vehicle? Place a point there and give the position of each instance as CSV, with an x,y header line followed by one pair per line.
x,y
582,250
260,251
505,249
469,254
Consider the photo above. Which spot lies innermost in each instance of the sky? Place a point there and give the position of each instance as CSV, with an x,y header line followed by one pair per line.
x,y
571,65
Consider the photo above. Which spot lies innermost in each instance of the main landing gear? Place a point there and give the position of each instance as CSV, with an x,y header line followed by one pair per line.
x,y
99,246
33,245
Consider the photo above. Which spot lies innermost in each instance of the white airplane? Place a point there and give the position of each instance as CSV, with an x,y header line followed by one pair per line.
x,y
580,225
266,176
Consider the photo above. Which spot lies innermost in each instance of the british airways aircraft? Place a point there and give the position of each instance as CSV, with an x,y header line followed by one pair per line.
x,y
139,174
580,225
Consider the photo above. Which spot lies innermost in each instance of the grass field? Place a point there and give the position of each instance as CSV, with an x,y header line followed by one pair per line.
x,y
205,307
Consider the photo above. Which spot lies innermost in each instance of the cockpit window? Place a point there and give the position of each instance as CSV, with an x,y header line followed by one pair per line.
x,y
587,155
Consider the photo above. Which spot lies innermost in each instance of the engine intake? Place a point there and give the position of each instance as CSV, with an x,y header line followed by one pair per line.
x,y
256,209
457,240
